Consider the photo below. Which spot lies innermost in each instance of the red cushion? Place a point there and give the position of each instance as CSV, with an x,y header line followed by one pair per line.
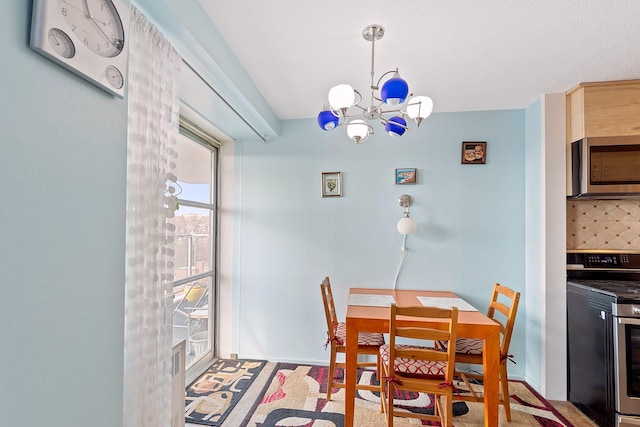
x,y
412,366
373,339
466,345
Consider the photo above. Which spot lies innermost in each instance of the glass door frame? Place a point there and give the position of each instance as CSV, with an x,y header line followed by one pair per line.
x,y
192,132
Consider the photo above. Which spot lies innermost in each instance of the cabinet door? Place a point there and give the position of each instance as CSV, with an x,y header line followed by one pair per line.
x,y
603,109
612,110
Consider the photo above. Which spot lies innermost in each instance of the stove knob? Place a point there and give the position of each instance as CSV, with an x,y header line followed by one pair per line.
x,y
636,310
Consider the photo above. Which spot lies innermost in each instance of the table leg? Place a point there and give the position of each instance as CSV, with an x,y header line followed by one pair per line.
x,y
351,360
491,363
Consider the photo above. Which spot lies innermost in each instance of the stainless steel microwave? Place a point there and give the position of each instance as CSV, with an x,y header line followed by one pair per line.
x,y
606,167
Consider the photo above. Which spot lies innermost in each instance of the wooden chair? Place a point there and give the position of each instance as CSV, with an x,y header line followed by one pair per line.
x,y
420,368
368,343
469,350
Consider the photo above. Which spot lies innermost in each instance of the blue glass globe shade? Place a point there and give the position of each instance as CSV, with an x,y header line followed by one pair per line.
x,y
327,120
394,91
396,126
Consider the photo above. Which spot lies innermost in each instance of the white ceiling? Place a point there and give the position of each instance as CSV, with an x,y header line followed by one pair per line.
x,y
467,55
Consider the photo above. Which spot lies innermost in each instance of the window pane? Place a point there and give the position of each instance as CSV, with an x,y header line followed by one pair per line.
x,y
193,170
193,245
192,242
191,317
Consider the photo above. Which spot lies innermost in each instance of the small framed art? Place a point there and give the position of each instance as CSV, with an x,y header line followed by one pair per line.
x,y
331,184
474,152
406,176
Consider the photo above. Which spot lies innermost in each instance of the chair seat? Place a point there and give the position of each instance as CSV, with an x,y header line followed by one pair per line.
x,y
373,339
465,346
412,366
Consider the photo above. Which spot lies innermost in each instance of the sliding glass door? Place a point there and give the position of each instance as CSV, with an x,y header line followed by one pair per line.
x,y
195,243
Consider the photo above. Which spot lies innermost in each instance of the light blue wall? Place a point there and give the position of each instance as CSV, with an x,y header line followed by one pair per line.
x,y
62,229
470,224
534,302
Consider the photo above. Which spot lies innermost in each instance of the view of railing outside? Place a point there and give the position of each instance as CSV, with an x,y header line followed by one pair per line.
x,y
192,258
194,248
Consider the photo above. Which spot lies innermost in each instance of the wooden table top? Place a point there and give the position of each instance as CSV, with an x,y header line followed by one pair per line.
x,y
468,321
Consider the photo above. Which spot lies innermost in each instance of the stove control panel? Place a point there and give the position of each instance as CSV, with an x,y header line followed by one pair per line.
x,y
603,260
626,310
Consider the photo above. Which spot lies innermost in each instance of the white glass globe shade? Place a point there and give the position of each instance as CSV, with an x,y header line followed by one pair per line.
x,y
358,131
420,107
407,226
341,97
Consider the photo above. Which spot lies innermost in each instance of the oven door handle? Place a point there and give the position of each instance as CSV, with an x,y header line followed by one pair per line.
x,y
628,321
628,421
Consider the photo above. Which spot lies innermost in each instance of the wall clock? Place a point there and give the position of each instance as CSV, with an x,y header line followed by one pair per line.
x,y
87,37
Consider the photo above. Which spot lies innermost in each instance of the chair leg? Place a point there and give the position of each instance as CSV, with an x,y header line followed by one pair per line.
x,y
390,393
378,368
383,386
379,377
448,409
383,395
504,380
332,373
449,398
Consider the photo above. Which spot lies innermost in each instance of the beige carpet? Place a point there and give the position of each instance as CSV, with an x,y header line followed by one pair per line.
x,y
294,395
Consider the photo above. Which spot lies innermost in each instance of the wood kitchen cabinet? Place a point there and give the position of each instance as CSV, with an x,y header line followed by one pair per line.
x,y
603,109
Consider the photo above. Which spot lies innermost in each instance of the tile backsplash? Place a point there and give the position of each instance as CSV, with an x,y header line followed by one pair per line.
x,y
603,224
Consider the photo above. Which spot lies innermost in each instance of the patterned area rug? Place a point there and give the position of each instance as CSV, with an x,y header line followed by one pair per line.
x,y
296,396
213,395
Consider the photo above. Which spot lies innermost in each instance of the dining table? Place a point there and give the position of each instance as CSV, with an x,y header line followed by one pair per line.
x,y
368,311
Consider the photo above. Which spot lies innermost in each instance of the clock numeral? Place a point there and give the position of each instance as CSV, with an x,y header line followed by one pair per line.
x,y
64,11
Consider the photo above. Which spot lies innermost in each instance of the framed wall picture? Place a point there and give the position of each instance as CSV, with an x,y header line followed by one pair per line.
x,y
406,176
474,152
331,184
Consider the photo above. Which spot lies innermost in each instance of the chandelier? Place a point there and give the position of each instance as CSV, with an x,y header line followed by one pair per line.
x,y
387,104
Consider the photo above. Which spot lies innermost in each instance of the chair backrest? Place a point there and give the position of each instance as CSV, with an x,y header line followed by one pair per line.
x,y
329,308
508,318
447,333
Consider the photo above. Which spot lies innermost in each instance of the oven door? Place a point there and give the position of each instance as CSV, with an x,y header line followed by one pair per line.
x,y
627,369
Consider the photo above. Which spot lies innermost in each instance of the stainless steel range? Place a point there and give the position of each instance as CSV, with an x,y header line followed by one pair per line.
x,y
603,335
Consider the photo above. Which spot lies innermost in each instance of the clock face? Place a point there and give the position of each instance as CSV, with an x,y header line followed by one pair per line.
x,y
61,43
114,77
96,23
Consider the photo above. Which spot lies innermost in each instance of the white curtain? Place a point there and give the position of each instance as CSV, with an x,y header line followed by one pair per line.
x,y
153,127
